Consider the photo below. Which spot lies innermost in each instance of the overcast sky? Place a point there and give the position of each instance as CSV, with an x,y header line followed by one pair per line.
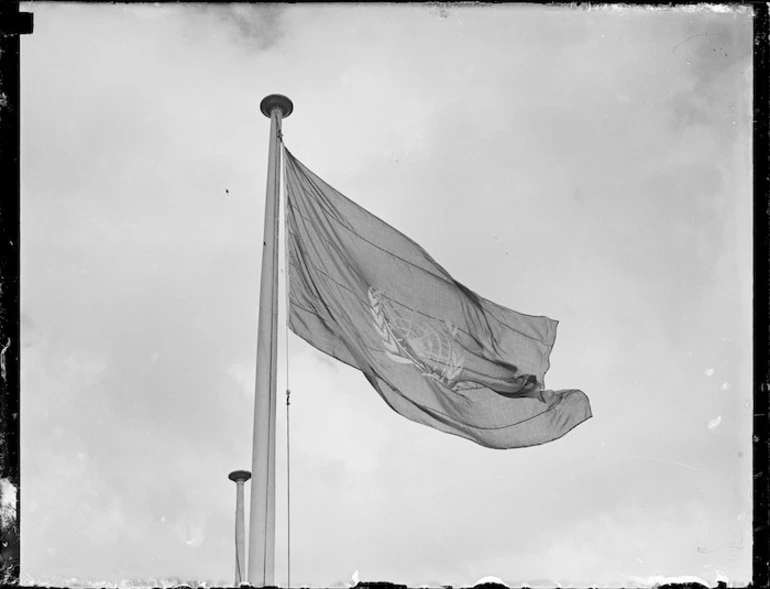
x,y
588,165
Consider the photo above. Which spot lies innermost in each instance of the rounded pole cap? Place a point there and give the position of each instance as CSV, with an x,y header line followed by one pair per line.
x,y
278,101
239,476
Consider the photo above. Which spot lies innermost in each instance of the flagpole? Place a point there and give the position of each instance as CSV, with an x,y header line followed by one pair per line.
x,y
262,516
239,477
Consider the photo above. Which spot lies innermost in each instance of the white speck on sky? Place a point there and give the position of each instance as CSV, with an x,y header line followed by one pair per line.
x,y
589,165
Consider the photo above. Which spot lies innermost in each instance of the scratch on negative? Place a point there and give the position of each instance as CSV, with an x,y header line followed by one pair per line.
x,y
668,461
706,34
2,358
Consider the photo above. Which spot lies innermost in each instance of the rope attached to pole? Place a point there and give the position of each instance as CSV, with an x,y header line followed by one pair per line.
x,y
288,496
288,391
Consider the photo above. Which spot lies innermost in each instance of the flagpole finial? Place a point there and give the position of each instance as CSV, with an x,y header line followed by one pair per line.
x,y
239,476
274,101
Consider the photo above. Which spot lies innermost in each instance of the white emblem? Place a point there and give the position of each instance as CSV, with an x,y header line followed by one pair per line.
x,y
415,340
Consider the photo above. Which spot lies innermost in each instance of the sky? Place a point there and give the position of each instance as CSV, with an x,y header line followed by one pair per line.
x,y
588,164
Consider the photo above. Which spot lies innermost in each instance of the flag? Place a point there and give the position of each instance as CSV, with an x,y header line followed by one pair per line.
x,y
435,351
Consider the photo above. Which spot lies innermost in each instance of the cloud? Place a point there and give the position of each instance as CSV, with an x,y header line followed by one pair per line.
x,y
106,526
716,50
55,371
244,376
190,527
254,26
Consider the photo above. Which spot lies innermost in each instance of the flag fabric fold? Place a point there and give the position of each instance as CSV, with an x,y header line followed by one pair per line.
x,y
435,351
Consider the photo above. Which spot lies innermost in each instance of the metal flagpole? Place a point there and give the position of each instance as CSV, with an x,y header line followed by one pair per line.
x,y
239,477
262,516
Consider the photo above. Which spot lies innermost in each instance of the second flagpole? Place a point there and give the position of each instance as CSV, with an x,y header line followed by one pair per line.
x,y
262,514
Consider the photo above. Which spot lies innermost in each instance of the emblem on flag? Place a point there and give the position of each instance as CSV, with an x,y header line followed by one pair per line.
x,y
412,340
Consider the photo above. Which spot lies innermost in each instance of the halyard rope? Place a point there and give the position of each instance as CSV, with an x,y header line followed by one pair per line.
x,y
288,391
